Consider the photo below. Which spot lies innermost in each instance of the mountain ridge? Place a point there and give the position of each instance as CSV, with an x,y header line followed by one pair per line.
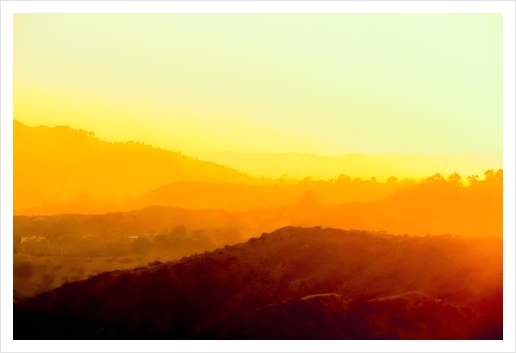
x,y
230,292
382,166
61,164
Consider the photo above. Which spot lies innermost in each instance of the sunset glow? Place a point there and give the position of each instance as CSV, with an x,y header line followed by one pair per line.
x,y
327,84
249,176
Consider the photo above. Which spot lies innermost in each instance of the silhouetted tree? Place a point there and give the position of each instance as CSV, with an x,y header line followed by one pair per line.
x,y
392,180
344,179
490,176
357,181
435,180
499,176
141,246
162,241
307,200
472,179
454,178
178,230
23,269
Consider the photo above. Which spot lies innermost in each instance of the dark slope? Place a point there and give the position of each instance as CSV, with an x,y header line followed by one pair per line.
x,y
228,293
412,315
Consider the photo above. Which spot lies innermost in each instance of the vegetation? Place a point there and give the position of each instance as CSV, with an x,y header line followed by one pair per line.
x,y
436,205
62,170
60,165
123,240
384,286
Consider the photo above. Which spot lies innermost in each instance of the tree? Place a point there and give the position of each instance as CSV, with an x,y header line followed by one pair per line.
x,y
392,180
141,246
23,269
472,179
454,178
357,181
408,183
435,179
307,200
306,181
499,176
490,176
343,179
162,241
178,230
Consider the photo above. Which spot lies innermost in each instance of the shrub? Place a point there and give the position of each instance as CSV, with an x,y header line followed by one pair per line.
x,y
24,269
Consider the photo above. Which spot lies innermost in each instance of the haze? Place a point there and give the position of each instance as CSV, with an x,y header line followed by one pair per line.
x,y
255,176
326,84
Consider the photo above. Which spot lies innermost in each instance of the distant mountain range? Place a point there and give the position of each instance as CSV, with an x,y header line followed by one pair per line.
x,y
381,166
434,206
295,283
57,165
63,170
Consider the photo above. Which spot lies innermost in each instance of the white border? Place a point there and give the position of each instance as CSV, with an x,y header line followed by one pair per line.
x,y
505,7
258,6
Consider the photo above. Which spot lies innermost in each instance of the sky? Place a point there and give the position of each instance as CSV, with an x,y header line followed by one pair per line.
x,y
326,84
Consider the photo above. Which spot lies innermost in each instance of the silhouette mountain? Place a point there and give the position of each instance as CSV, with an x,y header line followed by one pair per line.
x,y
62,165
434,205
308,283
244,197
411,315
63,170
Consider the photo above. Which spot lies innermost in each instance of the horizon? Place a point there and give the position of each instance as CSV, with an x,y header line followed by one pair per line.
x,y
264,154
266,83
235,164
298,166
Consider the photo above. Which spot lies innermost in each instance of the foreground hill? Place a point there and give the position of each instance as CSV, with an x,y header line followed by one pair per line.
x,y
293,283
52,250
61,165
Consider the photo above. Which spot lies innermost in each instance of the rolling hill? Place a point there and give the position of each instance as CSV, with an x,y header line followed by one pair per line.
x,y
60,165
312,283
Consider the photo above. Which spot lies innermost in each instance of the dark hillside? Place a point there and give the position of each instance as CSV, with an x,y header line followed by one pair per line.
x,y
248,290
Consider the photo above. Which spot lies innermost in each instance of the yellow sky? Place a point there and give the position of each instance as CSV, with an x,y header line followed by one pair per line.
x,y
323,84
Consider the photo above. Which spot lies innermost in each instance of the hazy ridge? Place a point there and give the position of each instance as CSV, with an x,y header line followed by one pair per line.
x,y
63,170
94,221
382,166
60,164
